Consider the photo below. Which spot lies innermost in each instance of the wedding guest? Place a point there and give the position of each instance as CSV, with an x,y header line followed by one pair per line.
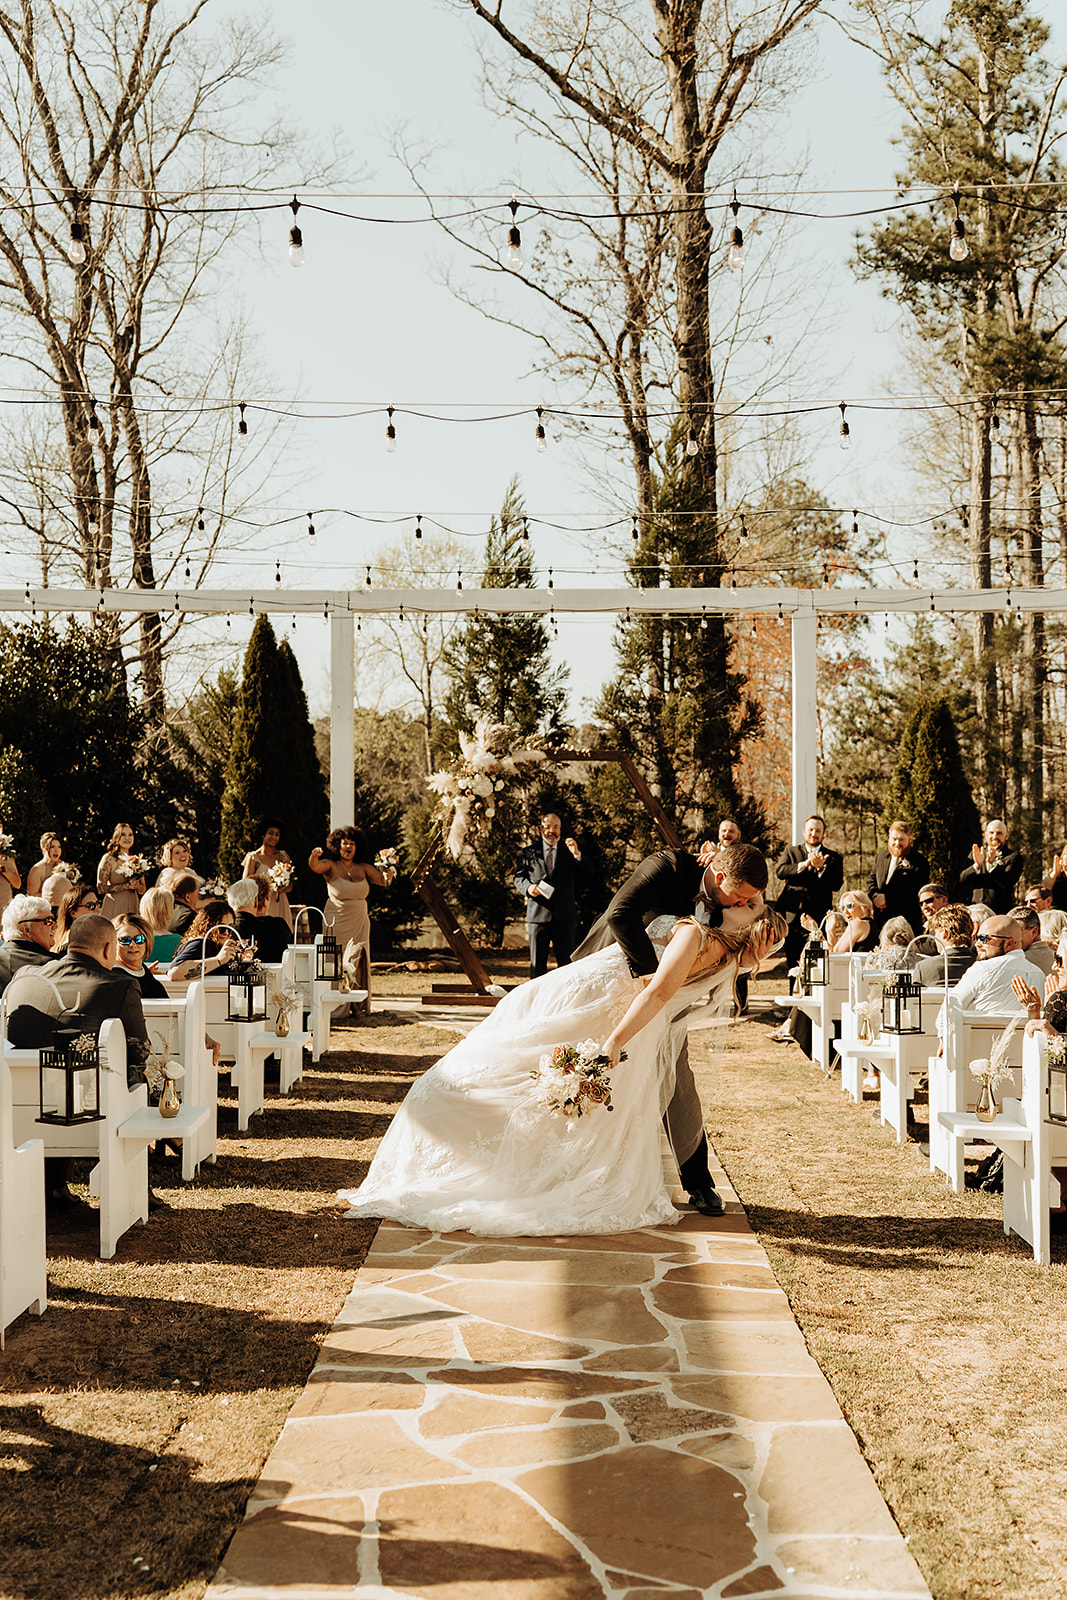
x,y
249,897
187,902
1031,943
157,908
994,870
954,932
546,877
133,939
10,878
51,855
55,887
119,889
1053,927
811,874
212,946
28,926
894,881
729,832
348,878
263,860
891,954
80,901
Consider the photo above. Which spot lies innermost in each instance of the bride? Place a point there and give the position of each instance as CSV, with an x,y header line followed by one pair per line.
x,y
472,1148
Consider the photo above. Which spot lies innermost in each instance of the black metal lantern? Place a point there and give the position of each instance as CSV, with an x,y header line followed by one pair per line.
x,y
69,1075
1056,1087
902,1005
246,994
815,974
328,959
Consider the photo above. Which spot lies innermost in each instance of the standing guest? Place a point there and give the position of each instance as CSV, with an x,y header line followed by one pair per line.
x,y
893,884
994,870
81,901
118,890
10,878
157,908
29,927
51,855
546,877
812,874
133,942
348,879
248,898
263,860
729,832
1031,943
954,932
187,902
177,858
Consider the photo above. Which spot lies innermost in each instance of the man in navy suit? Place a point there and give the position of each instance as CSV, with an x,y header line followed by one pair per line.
x,y
546,878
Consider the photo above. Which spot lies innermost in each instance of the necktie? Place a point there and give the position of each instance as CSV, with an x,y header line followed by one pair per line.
x,y
550,860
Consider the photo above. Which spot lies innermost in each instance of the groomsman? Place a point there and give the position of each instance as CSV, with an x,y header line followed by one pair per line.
x,y
812,873
546,877
895,880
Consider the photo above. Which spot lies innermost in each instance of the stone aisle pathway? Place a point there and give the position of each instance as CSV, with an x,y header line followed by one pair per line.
x,y
565,1419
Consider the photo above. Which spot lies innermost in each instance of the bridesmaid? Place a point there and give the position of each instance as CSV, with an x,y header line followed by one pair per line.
x,y
118,892
51,855
177,859
10,877
257,863
348,883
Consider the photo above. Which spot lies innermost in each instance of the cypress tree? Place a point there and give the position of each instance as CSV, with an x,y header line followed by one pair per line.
x,y
946,819
261,769
900,801
302,804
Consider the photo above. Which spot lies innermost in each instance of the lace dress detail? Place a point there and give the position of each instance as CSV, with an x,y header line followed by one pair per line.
x,y
472,1149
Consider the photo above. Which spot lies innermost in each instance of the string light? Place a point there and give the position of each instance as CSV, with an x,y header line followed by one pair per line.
x,y
311,527
744,529
540,441
855,524
296,238
703,619
418,526
994,420
92,427
691,446
251,607
278,574
552,622
525,531
514,238
459,582
292,627
735,255
76,252
551,585
915,570
227,619
781,615
242,425
390,432
425,626
367,582
634,535
752,630
177,606
958,247
200,519
188,573
844,432
932,606
326,612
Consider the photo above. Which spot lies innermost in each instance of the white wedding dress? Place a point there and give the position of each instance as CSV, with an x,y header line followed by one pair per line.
x,y
471,1148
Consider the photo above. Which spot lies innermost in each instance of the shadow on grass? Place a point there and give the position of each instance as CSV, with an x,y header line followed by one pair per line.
x,y
279,1120
80,1515
888,1242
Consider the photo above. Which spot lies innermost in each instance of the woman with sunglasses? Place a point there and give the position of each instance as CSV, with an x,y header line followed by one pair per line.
x,y
857,935
133,947
77,902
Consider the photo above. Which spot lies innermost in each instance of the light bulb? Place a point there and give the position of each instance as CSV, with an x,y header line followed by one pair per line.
x,y
390,433
540,442
514,238
691,446
296,247
242,425
958,249
76,253
845,434
735,255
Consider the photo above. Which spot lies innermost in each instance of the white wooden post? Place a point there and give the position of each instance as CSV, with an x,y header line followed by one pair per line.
x,y
342,722
805,726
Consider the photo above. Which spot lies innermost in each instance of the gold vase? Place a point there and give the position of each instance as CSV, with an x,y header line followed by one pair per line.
x,y
866,1030
169,1104
281,1025
344,986
987,1107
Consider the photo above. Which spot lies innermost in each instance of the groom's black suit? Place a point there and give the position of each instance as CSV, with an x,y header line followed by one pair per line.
x,y
664,884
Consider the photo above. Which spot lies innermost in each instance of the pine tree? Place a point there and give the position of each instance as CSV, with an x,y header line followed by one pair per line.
x,y
261,771
944,814
303,806
900,801
499,666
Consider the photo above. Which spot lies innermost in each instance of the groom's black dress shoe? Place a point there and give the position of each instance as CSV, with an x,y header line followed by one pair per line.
x,y
707,1200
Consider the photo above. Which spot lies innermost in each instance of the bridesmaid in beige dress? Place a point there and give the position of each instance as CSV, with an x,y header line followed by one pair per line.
x,y
257,863
348,883
119,894
10,877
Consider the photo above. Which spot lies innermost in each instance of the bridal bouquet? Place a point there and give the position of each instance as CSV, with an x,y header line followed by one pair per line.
x,y
573,1078
213,889
67,869
388,863
471,786
7,844
131,867
280,876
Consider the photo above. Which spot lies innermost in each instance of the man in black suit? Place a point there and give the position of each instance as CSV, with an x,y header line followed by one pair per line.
x,y
670,883
546,878
812,874
899,873
994,871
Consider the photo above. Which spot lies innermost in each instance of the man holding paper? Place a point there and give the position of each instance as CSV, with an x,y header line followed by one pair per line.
x,y
546,878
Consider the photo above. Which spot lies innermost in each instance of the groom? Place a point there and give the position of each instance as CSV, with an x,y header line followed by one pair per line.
x,y
670,882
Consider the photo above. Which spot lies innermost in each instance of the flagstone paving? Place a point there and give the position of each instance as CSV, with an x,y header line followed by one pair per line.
x,y
565,1419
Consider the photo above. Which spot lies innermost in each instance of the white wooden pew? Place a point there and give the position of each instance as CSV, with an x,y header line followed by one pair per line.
x,y
1032,1145
898,1058
969,1036
23,1260
850,1047
823,1005
200,1086
321,999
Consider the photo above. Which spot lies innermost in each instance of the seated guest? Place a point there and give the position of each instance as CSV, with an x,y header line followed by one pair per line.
x,y
987,986
1053,927
954,931
187,902
932,898
55,887
211,946
1050,1018
51,856
994,870
157,908
1030,941
1039,897
28,926
134,949
892,953
81,901
248,897
856,935
89,989
979,913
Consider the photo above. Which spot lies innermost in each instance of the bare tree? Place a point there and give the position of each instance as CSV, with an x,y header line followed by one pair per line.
x,y
125,147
